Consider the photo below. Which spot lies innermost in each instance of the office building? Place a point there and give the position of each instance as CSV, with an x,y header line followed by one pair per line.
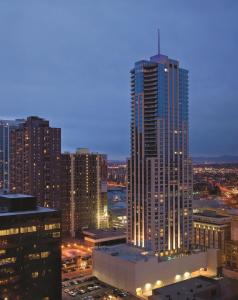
x,y
5,129
211,230
85,191
35,150
30,261
159,168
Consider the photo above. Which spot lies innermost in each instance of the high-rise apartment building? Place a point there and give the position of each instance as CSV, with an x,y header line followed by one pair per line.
x,y
159,168
35,151
85,191
30,259
67,210
5,128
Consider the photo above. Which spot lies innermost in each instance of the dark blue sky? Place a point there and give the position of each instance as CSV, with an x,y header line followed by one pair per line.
x,y
69,61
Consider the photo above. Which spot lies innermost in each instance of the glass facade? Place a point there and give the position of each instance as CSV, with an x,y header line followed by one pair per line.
x,y
5,128
159,169
30,259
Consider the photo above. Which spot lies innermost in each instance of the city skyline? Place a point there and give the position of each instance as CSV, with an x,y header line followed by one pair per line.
x,y
118,150
50,67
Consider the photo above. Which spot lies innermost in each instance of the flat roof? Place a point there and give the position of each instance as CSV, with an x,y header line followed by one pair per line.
x,y
232,211
185,288
126,252
135,254
210,213
39,210
103,233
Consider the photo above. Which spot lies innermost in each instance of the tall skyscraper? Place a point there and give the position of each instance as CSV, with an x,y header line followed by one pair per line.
x,y
35,152
67,210
30,260
5,128
85,191
159,169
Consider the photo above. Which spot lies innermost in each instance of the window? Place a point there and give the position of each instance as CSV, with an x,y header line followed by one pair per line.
x,y
7,260
35,274
33,256
52,226
56,234
27,229
9,231
45,254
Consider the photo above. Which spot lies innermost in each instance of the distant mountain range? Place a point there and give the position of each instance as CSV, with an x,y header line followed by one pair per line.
x,y
224,159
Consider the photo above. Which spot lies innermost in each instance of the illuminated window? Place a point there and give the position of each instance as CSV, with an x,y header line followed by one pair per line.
x,y
9,231
33,256
56,234
45,254
27,229
35,274
52,226
7,260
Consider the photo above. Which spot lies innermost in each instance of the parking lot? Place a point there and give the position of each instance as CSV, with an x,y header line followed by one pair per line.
x,y
90,288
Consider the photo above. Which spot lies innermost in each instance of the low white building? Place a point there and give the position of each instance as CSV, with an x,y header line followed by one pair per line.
x,y
139,272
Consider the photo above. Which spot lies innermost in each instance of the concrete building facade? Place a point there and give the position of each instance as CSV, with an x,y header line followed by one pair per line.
x,y
138,271
211,230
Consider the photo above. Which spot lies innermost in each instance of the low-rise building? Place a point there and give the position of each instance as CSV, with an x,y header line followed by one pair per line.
x,y
201,286
138,271
102,237
198,288
211,230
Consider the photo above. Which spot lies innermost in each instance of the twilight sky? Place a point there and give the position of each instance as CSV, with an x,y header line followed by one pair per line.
x,y
69,62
